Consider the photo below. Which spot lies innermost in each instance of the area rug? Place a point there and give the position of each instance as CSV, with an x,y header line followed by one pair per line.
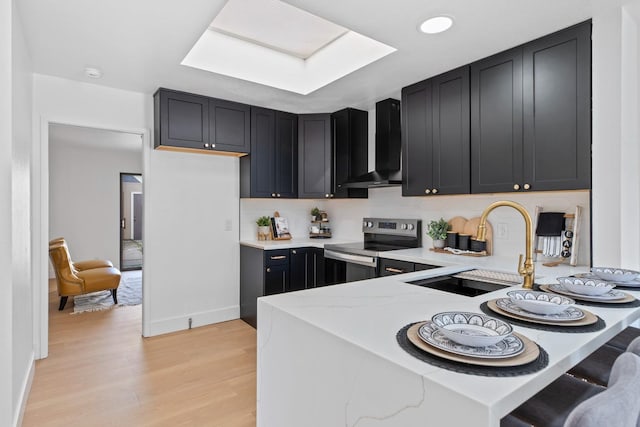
x,y
129,293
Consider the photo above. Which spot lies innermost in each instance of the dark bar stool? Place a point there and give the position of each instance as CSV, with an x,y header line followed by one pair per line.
x,y
571,402
596,368
624,338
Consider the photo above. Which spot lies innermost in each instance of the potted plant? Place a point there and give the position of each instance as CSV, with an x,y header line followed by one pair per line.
x,y
264,227
437,230
315,214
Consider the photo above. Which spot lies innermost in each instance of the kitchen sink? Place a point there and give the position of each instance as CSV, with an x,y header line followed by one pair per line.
x,y
458,285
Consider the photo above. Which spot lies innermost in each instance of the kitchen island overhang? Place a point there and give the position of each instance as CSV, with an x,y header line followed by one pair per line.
x,y
329,356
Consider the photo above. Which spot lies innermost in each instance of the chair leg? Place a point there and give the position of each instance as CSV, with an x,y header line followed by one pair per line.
x,y
114,294
63,302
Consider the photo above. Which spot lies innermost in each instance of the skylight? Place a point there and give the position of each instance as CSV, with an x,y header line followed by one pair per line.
x,y
273,43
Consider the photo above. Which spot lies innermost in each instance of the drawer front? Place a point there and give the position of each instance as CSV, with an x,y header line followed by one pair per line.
x,y
276,257
390,267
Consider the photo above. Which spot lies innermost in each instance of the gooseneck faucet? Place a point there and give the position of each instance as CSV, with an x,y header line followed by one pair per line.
x,y
526,270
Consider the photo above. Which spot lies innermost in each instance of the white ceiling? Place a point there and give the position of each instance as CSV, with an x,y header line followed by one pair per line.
x,y
92,138
139,44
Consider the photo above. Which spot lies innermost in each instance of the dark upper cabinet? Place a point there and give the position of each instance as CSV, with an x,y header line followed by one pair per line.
x,y
496,123
557,110
350,137
181,120
314,156
187,121
229,126
286,155
417,139
531,115
436,135
271,169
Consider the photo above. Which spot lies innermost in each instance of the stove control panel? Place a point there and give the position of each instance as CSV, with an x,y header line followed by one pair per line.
x,y
392,226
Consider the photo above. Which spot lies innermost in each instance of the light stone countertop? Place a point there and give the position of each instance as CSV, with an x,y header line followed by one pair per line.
x,y
366,315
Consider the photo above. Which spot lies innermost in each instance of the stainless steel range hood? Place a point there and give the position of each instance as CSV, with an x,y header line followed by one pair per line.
x,y
388,144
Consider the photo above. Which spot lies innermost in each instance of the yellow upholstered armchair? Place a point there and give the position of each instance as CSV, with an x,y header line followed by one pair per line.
x,y
73,281
81,265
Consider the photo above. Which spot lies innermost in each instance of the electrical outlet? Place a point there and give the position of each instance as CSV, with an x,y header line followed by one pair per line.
x,y
502,231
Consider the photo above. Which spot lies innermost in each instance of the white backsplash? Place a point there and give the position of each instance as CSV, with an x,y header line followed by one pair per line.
x,y
346,215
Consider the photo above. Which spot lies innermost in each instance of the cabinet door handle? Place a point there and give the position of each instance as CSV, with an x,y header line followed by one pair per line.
x,y
427,191
434,191
273,194
278,195
393,270
206,145
268,270
294,252
516,187
527,186
326,196
331,196
278,257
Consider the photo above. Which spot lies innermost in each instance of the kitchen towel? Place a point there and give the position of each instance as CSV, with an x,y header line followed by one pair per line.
x,y
550,224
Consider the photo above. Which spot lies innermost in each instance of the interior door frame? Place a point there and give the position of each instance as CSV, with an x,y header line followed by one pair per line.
x,y
121,217
40,226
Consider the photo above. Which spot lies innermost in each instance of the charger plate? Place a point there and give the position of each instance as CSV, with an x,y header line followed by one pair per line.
x,y
530,353
557,290
588,319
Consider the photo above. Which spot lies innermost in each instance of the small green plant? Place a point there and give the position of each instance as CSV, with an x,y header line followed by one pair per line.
x,y
315,211
263,221
437,230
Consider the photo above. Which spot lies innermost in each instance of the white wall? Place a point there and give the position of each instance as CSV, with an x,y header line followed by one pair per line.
x,y
191,240
64,101
84,197
190,260
630,137
346,215
616,175
22,309
7,408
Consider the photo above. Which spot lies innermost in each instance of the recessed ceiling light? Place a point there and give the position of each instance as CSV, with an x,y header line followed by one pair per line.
x,y
94,73
437,24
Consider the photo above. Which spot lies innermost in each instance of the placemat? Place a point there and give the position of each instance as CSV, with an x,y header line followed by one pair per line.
x,y
539,363
630,304
599,325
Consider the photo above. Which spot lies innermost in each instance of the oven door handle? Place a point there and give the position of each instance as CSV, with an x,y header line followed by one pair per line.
x,y
367,261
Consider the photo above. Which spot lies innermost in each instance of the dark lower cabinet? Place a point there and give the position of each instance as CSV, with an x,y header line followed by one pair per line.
x,y
271,171
272,272
261,273
436,135
390,267
276,279
306,268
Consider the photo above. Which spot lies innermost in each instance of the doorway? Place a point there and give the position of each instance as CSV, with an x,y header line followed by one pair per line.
x,y
131,221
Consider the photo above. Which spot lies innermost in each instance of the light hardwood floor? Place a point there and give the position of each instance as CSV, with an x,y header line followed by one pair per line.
x,y
101,372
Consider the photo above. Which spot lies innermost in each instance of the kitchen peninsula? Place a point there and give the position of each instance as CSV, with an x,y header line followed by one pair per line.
x,y
329,356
